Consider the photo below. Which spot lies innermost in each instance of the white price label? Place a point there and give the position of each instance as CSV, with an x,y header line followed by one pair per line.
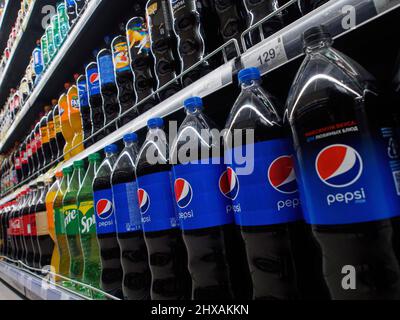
x,y
266,56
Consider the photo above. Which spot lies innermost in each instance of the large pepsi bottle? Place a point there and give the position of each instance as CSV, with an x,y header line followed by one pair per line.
x,y
108,89
124,78
85,111
95,101
193,45
231,22
167,252
71,11
142,63
265,197
111,271
134,258
347,161
258,10
205,213
163,44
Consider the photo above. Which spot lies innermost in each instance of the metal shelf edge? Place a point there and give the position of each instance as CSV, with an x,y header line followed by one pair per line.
x,y
30,285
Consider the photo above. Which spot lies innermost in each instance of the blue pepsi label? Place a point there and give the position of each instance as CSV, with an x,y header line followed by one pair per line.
x,y
83,94
200,201
37,58
92,79
269,195
354,179
127,213
104,209
156,202
106,69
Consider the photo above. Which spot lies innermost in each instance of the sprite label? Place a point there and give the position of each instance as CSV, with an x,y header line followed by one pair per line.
x,y
45,52
63,21
50,41
59,221
56,31
87,218
71,216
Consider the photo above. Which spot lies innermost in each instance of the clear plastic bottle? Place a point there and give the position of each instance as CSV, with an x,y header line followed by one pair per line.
x,y
205,214
347,158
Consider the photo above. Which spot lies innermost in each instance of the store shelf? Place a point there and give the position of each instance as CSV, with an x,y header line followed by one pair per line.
x,y
7,21
22,49
287,45
32,286
339,17
78,46
212,82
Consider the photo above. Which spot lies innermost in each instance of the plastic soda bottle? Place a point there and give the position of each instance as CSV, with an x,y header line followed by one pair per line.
x,y
75,120
55,22
45,51
50,42
49,200
60,227
63,21
66,128
87,227
71,220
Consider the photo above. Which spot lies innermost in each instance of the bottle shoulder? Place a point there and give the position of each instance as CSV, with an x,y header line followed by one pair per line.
x,y
325,74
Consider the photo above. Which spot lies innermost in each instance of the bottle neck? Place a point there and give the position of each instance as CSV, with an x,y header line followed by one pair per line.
x,y
250,84
318,45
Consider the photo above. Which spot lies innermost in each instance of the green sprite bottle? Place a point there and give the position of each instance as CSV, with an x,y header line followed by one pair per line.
x,y
56,31
50,42
71,221
87,222
63,21
45,51
61,233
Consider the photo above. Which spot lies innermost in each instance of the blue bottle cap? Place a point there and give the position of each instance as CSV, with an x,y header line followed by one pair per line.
x,y
249,74
112,148
155,123
193,103
131,137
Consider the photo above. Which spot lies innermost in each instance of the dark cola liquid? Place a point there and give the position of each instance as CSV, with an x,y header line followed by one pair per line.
x,y
59,136
124,79
110,253
43,239
134,258
167,253
163,44
367,246
142,63
258,10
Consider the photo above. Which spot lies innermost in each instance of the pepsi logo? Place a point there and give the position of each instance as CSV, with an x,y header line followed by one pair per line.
x,y
183,193
229,184
281,175
144,201
94,77
339,165
104,209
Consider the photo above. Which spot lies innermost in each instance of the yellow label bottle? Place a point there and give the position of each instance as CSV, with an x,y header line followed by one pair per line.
x,y
51,195
75,120
66,128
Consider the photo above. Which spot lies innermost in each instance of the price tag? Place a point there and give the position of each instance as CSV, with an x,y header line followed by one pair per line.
x,y
266,56
213,81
